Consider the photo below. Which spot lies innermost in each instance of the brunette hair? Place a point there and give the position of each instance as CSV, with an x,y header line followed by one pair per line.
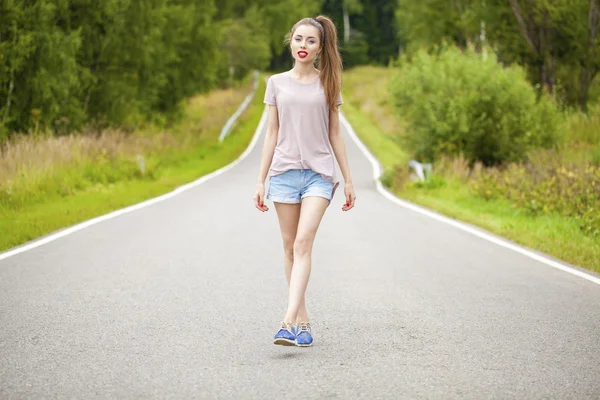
x,y
330,59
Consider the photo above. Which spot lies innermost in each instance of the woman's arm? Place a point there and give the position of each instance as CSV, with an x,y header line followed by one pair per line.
x,y
337,143
339,149
269,145
267,156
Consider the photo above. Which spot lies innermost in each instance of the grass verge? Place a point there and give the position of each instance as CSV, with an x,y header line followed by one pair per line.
x,y
195,152
551,233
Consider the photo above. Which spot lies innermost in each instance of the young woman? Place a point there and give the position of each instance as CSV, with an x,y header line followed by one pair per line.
x,y
303,134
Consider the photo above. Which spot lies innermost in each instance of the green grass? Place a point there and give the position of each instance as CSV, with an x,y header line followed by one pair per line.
x,y
177,167
361,111
389,153
552,234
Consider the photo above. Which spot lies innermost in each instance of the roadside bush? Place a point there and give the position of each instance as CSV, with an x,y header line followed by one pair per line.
x,y
546,184
584,127
466,102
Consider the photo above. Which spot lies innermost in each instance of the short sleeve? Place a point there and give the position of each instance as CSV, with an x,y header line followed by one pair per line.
x,y
339,101
270,95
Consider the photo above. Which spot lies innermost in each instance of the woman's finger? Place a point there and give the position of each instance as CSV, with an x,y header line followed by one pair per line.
x,y
349,203
260,204
346,206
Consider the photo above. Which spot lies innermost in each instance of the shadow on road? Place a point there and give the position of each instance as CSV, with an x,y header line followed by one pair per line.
x,y
285,356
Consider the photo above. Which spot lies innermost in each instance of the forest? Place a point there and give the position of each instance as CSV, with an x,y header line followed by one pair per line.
x,y
66,64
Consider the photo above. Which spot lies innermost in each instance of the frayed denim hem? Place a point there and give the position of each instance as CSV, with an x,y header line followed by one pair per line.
x,y
285,200
326,196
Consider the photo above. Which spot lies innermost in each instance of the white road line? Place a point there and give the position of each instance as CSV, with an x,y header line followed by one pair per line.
x,y
456,224
114,214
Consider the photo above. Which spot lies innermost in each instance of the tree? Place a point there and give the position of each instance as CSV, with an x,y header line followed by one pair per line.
x,y
556,40
561,40
380,29
39,75
590,62
349,6
67,62
272,18
428,23
239,54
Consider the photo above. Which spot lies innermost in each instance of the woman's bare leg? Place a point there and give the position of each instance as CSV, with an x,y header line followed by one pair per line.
x,y
289,216
312,211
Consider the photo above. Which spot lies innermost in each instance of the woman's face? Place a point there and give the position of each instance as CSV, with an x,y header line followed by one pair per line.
x,y
305,44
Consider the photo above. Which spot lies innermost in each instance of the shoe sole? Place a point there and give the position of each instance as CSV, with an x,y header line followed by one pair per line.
x,y
304,345
284,342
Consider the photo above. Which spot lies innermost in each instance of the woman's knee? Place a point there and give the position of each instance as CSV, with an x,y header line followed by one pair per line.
x,y
288,248
302,245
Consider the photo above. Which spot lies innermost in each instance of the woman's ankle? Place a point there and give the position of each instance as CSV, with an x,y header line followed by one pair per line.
x,y
289,320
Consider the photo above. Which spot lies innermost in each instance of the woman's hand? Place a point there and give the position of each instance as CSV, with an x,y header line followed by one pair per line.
x,y
350,196
259,198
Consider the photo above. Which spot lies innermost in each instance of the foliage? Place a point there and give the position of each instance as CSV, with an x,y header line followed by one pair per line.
x,y
39,75
557,40
547,184
240,56
424,24
65,63
468,103
356,51
373,30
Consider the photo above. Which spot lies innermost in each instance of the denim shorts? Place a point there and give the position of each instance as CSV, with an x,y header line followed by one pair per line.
x,y
295,184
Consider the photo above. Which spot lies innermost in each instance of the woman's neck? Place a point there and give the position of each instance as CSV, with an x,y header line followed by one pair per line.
x,y
302,71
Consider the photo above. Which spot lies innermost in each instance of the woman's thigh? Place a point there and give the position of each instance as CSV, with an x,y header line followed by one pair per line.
x,y
311,214
288,216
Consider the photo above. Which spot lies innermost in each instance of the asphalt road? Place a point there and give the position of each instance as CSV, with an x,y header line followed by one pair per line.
x,y
180,299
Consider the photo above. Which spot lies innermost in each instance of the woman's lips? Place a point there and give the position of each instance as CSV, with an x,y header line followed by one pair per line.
x,y
302,54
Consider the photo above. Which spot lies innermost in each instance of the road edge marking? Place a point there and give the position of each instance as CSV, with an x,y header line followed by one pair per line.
x,y
455,223
113,214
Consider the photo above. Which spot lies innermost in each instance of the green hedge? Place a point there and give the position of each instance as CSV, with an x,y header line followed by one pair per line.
x,y
467,102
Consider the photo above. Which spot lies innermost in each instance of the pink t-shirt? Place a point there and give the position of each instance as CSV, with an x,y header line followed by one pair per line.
x,y
303,138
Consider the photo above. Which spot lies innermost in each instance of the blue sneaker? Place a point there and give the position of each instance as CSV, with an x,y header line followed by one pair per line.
x,y
304,335
286,335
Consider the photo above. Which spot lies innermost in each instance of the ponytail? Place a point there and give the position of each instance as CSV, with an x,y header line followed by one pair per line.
x,y
330,62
